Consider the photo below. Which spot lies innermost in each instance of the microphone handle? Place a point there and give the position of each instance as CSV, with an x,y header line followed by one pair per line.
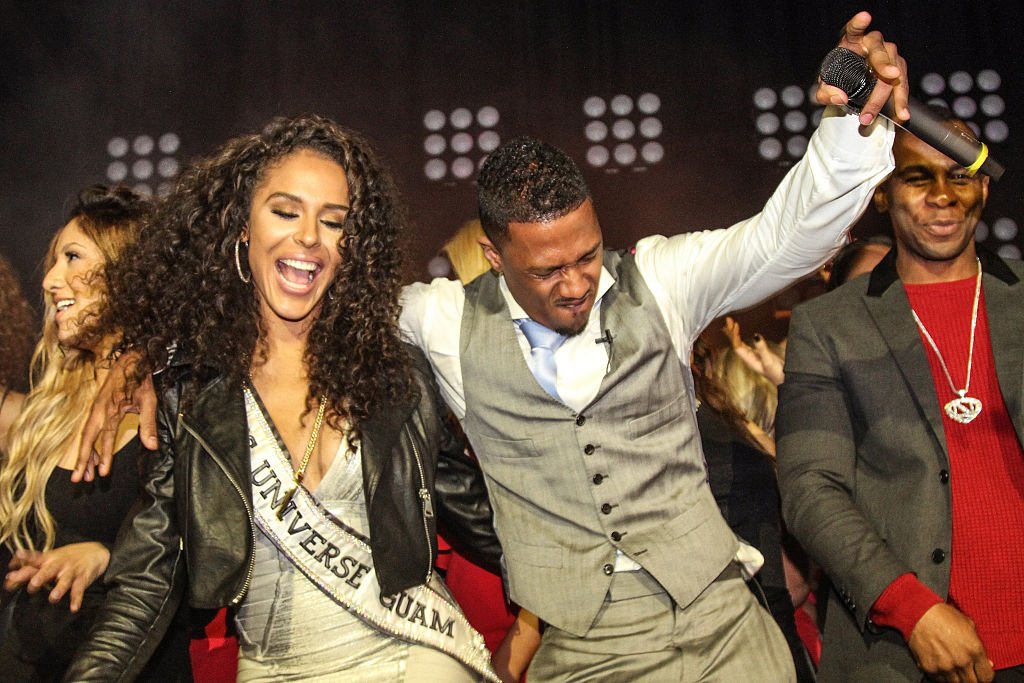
x,y
958,145
849,72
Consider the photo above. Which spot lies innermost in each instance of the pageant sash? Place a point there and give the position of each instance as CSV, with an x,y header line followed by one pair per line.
x,y
339,563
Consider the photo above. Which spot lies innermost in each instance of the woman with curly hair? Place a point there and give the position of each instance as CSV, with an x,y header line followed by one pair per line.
x,y
53,533
299,481
16,338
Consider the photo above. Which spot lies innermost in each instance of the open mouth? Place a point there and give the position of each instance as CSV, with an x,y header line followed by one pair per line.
x,y
62,305
298,272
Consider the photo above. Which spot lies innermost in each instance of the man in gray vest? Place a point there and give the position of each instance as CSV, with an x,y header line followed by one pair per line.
x,y
567,366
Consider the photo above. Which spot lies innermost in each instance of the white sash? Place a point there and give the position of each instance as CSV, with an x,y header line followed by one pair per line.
x,y
340,563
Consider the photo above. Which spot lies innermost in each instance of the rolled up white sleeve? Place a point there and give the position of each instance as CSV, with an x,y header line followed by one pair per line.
x,y
699,276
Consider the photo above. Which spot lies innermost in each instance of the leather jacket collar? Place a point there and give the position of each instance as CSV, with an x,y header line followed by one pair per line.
x,y
217,416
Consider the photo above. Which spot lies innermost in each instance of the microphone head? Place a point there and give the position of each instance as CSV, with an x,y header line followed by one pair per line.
x,y
849,72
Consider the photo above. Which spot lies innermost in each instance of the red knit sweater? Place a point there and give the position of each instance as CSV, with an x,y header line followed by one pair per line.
x,y
986,466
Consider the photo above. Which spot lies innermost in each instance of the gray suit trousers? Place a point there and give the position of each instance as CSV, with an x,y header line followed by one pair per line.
x,y
640,634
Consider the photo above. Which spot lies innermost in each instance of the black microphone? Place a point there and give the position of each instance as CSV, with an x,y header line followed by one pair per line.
x,y
606,339
849,72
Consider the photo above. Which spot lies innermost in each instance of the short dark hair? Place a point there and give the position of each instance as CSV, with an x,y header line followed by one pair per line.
x,y
847,257
103,206
527,181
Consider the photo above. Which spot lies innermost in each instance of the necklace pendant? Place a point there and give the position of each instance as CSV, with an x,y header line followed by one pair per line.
x,y
291,494
963,409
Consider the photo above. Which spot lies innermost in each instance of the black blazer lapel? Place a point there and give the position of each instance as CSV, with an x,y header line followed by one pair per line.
x,y
892,316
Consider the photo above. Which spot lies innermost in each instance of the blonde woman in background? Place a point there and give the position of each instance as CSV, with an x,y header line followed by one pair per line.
x,y
16,338
750,374
55,536
750,390
465,253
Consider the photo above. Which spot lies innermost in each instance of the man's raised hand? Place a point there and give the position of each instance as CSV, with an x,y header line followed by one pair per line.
x,y
884,60
113,400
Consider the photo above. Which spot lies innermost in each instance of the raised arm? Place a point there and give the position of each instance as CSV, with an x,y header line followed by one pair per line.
x,y
699,276
757,356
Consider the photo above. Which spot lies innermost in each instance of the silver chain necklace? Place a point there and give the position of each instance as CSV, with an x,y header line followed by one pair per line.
x,y
964,408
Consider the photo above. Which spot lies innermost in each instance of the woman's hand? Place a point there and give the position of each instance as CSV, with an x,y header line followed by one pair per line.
x,y
71,567
758,357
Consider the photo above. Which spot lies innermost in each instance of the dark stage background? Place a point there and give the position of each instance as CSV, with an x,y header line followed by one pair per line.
x,y
692,103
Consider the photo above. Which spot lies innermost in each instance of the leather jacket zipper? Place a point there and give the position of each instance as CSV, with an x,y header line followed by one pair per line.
x,y
245,502
428,505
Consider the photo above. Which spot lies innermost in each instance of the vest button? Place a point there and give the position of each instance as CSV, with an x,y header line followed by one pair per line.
x,y
581,420
589,449
606,508
616,536
938,555
598,478
944,476
608,568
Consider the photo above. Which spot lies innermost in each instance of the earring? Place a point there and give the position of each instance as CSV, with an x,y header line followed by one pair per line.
x,y
238,263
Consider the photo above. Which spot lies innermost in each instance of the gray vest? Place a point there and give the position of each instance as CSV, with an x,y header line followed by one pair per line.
x,y
570,488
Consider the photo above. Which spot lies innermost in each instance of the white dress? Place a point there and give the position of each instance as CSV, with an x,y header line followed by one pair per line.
x,y
289,630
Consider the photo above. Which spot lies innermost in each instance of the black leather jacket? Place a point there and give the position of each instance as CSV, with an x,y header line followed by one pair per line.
x,y
201,538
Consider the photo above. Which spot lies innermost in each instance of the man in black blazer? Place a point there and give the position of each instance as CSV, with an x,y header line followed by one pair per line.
x,y
900,458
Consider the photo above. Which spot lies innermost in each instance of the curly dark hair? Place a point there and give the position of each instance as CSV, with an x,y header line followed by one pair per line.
x,y
527,181
180,285
17,331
